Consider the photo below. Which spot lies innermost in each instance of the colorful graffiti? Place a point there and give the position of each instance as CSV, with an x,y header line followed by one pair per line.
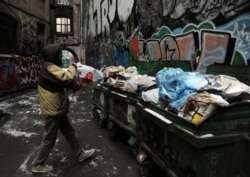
x,y
201,45
102,15
202,32
216,10
18,73
8,74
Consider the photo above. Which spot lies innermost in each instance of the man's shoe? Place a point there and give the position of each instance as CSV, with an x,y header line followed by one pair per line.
x,y
42,168
86,154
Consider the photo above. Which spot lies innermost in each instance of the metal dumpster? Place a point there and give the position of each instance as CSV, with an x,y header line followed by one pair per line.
x,y
99,106
121,107
152,67
142,66
218,147
159,65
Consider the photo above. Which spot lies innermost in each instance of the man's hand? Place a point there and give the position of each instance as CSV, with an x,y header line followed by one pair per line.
x,y
77,65
76,86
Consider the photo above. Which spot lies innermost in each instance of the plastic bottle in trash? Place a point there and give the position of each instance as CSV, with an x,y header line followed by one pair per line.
x,y
65,62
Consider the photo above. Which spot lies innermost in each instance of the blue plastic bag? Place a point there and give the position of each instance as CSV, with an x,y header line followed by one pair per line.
x,y
165,74
176,104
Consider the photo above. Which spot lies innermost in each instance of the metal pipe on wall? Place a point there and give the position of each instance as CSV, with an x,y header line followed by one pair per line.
x,y
81,33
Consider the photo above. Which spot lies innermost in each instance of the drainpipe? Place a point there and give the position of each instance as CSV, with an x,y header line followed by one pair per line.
x,y
81,32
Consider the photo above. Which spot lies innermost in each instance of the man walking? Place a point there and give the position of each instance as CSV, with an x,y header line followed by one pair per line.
x,y
53,84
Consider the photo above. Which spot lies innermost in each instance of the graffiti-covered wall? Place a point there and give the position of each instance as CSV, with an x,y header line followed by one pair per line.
x,y
24,30
18,73
202,32
31,26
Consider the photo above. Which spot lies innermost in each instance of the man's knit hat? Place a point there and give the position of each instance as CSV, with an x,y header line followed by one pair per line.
x,y
52,53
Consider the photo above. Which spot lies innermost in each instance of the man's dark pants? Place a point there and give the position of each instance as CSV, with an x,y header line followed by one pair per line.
x,y
51,127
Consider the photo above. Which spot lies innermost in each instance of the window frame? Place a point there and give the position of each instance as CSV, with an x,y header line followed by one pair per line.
x,y
65,25
64,12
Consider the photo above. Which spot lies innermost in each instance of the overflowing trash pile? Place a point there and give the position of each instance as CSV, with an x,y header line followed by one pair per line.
x,y
194,96
126,79
190,95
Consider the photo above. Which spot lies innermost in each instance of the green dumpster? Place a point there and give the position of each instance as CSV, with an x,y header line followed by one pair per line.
x,y
142,66
121,107
156,66
152,67
99,106
218,147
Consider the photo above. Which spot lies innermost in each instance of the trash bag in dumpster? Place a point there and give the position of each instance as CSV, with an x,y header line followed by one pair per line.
x,y
230,86
178,87
165,74
126,79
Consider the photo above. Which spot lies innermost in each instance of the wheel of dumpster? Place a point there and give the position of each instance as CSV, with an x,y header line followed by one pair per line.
x,y
133,151
149,168
103,123
188,172
1,113
113,133
95,113
144,171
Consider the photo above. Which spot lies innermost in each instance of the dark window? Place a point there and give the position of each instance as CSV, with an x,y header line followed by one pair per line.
x,y
40,35
8,35
40,29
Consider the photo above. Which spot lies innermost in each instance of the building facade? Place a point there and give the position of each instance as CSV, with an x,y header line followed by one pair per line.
x,y
28,25
25,26
66,27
